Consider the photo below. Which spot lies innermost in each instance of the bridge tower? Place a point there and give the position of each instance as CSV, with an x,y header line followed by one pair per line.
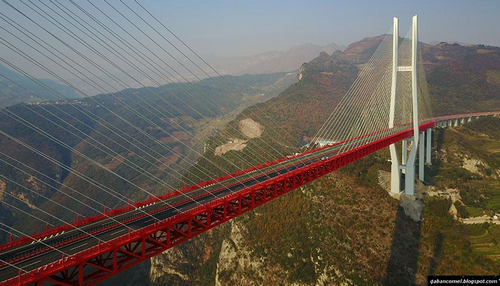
x,y
395,170
408,160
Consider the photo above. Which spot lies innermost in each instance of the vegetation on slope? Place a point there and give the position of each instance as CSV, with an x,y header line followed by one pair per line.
x,y
463,79
170,114
468,159
344,228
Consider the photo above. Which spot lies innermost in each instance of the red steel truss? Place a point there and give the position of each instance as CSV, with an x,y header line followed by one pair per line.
x,y
97,263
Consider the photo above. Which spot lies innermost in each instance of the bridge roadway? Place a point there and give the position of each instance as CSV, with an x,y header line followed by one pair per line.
x,y
211,192
203,195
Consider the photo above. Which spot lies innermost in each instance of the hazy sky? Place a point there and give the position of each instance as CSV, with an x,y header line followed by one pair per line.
x,y
247,27
228,27
221,28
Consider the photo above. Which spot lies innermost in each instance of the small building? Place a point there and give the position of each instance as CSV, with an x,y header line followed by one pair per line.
x,y
324,143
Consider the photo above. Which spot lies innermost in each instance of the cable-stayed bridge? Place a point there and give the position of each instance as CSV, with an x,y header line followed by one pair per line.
x,y
388,103
90,251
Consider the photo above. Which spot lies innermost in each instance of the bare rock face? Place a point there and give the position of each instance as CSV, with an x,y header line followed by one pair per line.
x,y
186,264
300,75
170,264
234,144
384,180
238,264
250,128
412,206
236,260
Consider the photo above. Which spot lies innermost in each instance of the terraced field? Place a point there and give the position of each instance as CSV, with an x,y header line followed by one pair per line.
x,y
485,239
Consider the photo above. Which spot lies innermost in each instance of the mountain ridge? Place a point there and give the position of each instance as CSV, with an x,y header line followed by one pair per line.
x,y
11,93
271,62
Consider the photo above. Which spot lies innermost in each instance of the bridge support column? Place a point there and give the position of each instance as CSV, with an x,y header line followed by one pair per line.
x,y
421,154
404,151
410,167
395,171
428,158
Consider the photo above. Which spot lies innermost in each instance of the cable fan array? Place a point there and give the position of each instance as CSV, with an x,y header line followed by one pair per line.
x,y
108,48
364,109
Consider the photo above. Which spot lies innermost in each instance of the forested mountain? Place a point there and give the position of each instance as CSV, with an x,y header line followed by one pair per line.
x,y
139,134
463,78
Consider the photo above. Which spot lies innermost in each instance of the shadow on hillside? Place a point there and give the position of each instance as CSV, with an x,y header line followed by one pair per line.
x,y
439,133
437,252
438,141
403,261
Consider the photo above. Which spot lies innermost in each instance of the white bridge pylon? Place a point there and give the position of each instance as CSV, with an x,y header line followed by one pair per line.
x,y
418,142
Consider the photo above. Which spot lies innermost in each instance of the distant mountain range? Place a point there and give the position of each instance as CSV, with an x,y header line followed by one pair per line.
x,y
271,62
12,93
435,43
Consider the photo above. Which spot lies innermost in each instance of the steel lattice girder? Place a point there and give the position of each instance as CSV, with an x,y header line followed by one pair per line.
x,y
100,262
